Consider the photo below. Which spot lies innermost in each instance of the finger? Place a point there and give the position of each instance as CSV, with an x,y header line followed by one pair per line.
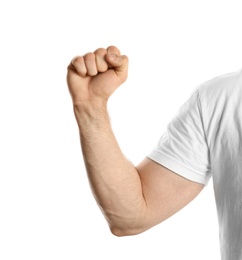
x,y
101,62
90,63
112,50
119,63
79,65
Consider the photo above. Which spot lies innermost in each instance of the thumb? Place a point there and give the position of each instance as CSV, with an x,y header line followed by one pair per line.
x,y
119,63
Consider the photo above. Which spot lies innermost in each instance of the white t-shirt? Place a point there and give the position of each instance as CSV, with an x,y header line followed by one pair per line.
x,y
205,139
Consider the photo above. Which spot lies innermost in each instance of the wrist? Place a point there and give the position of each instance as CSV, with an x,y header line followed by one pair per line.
x,y
91,112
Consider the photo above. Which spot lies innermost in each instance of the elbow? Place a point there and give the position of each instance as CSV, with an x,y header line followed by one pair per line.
x,y
129,225
122,231
118,232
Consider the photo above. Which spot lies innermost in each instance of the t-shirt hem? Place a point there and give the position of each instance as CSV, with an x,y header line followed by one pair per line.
x,y
178,168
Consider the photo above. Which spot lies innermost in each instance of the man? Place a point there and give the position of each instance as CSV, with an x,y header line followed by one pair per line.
x,y
204,139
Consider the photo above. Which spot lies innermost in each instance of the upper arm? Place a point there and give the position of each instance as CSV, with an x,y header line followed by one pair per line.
x,y
179,165
164,191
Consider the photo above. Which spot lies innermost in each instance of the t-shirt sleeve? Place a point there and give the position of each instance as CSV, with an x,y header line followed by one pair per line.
x,y
183,147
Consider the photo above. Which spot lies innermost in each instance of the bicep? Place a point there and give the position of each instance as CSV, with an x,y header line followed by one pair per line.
x,y
164,191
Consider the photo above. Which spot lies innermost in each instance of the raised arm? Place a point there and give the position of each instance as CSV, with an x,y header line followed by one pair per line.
x,y
132,199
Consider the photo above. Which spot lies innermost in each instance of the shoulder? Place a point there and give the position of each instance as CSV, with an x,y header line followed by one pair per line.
x,y
221,86
219,98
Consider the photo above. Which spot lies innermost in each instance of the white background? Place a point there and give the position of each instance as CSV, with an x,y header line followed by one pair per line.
x,y
46,207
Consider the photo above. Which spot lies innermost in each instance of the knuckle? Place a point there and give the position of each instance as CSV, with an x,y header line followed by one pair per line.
x,y
89,57
79,65
77,60
113,49
101,52
101,63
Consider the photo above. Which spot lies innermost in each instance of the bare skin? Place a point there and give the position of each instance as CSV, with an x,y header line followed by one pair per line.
x,y
133,199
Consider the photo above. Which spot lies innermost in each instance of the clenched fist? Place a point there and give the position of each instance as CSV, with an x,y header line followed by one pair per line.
x,y
96,75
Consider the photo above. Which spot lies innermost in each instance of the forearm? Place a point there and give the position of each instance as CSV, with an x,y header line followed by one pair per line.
x,y
115,182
